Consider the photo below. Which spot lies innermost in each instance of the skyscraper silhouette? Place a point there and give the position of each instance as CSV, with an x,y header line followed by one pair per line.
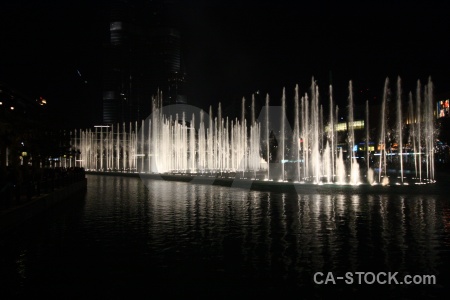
x,y
142,55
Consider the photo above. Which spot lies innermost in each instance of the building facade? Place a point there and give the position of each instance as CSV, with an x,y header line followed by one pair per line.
x,y
142,55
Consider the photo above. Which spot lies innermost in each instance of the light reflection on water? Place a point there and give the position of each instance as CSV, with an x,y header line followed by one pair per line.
x,y
205,239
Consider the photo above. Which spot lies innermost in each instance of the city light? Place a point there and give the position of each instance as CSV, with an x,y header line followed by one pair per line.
x,y
41,101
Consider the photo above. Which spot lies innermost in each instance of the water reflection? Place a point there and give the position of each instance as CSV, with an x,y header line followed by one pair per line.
x,y
205,238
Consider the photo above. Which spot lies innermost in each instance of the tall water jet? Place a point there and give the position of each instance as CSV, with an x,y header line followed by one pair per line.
x,y
267,137
243,110
412,133
118,147
382,141
149,146
201,144
337,136
367,141
305,135
243,140
124,142
426,131
320,133
331,134
253,110
192,144
211,147
142,143
326,158
296,140
418,129
253,136
315,154
282,134
429,131
399,126
340,168
354,167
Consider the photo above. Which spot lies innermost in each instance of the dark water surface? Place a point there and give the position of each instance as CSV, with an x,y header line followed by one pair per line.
x,y
122,240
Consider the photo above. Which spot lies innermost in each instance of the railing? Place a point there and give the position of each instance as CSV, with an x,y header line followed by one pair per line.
x,y
20,185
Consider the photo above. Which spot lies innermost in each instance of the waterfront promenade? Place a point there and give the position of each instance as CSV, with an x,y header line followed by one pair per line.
x,y
24,194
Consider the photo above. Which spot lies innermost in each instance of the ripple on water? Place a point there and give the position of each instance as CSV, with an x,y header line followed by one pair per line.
x,y
203,239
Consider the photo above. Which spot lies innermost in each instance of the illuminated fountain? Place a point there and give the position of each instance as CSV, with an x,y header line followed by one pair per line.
x,y
193,142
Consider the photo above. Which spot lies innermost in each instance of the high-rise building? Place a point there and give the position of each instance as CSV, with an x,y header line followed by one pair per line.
x,y
142,55
177,89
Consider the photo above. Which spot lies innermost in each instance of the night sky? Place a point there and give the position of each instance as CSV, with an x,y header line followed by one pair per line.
x,y
232,49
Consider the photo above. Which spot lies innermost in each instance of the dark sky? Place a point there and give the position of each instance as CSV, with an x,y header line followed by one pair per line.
x,y
232,48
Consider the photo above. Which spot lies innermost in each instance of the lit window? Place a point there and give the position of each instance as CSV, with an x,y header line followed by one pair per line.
x,y
343,126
